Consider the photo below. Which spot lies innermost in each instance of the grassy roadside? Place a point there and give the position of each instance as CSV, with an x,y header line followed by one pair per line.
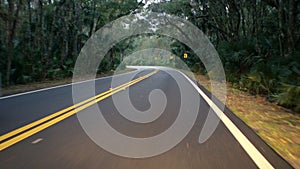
x,y
14,89
277,126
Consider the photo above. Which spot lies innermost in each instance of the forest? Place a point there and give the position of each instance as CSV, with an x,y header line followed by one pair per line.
x,y
257,40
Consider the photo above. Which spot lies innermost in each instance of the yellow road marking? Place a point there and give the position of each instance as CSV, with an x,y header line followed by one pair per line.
x,y
28,126
77,107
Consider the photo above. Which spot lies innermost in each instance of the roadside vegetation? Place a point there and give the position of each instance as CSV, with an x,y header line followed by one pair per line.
x,y
21,88
277,126
258,43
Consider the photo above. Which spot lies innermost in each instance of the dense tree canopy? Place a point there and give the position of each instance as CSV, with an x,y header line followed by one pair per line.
x,y
258,40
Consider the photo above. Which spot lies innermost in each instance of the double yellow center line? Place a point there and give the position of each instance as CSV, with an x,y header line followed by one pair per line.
x,y
28,130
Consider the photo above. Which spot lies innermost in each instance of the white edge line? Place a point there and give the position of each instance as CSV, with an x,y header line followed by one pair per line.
x,y
251,150
54,87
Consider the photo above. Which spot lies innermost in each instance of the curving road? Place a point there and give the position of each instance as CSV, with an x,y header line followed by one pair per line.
x,y
61,142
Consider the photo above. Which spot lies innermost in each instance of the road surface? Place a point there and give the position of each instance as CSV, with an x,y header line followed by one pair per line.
x,y
63,143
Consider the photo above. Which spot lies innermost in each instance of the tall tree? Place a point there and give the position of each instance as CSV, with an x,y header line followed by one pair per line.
x,y
12,21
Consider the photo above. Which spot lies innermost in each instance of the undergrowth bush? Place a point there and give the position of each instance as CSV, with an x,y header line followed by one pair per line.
x,y
266,74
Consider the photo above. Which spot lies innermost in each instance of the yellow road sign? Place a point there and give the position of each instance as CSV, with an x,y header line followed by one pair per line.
x,y
185,55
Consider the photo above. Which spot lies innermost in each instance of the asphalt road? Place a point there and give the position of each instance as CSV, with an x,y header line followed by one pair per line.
x,y
66,144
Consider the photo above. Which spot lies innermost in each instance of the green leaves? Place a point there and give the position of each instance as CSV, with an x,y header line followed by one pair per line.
x,y
251,70
248,36
289,96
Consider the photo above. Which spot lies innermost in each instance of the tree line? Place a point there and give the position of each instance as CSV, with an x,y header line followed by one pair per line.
x,y
41,39
257,40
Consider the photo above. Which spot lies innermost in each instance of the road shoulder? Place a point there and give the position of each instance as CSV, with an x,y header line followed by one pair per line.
x,y
277,126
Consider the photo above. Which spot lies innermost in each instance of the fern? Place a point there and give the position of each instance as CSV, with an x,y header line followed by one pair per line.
x,y
290,96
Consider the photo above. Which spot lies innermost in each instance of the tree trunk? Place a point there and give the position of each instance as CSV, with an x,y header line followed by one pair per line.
x,y
281,27
41,31
11,31
29,23
92,24
243,17
292,26
10,34
77,22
